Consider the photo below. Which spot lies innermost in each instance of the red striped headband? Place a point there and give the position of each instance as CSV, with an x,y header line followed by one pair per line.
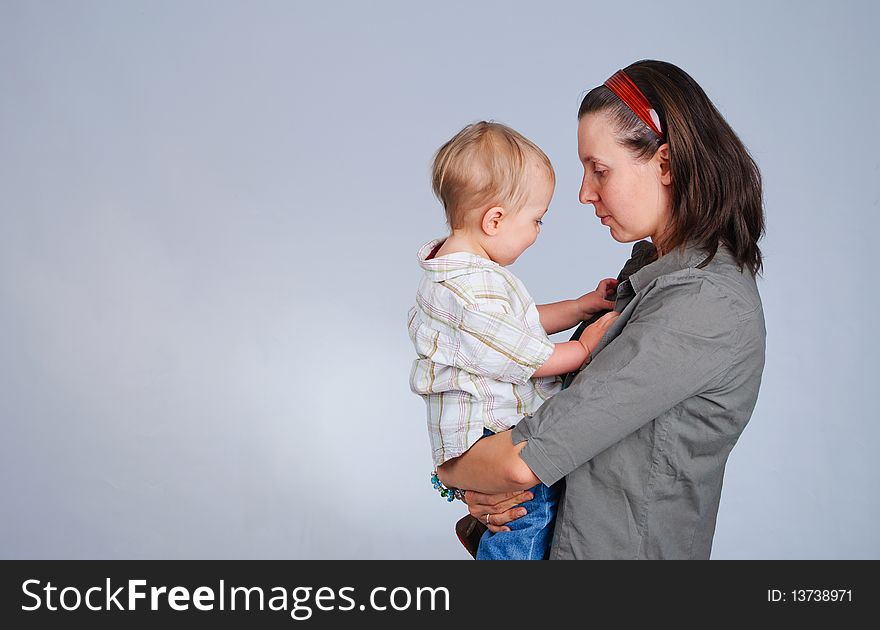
x,y
632,96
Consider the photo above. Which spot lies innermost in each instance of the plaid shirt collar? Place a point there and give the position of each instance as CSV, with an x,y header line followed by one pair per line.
x,y
451,265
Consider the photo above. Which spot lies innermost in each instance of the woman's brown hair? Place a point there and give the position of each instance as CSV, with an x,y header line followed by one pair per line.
x,y
716,185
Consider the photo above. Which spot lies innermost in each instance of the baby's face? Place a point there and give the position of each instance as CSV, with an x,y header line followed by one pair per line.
x,y
520,229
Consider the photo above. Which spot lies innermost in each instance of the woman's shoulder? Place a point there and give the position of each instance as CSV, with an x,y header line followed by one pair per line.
x,y
694,270
681,292
736,283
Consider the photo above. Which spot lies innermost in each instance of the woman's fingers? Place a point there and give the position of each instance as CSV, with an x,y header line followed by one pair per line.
x,y
500,508
506,504
472,497
480,503
497,522
494,523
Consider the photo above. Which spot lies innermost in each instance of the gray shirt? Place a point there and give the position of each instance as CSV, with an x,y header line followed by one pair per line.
x,y
643,433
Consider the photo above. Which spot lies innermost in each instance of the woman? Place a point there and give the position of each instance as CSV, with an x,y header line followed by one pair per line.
x,y
642,435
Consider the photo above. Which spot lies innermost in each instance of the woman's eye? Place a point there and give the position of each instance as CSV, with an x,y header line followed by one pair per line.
x,y
600,173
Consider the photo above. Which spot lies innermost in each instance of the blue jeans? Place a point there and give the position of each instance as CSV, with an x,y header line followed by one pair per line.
x,y
529,537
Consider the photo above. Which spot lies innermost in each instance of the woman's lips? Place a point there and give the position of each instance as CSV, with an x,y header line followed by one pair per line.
x,y
605,220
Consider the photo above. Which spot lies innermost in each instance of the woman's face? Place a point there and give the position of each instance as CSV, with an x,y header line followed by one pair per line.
x,y
631,197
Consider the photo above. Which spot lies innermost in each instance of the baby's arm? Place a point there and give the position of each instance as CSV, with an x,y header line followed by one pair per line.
x,y
563,315
571,355
559,316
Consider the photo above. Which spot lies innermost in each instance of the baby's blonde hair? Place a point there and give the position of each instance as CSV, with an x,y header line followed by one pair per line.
x,y
483,165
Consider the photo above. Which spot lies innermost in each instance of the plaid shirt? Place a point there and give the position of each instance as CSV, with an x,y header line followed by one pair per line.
x,y
479,339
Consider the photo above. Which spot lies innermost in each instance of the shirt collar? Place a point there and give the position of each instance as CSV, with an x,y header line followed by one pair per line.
x,y
676,260
450,265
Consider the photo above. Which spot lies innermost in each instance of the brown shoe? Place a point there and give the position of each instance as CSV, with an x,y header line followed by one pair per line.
x,y
469,531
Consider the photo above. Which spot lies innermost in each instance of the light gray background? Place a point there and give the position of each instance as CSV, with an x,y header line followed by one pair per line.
x,y
209,214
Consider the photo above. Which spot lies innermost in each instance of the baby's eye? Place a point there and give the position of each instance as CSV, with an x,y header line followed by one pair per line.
x,y
539,222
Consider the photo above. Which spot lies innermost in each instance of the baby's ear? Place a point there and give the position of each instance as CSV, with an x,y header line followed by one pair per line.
x,y
492,218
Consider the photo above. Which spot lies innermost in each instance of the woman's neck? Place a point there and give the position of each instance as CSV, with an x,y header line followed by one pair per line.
x,y
657,241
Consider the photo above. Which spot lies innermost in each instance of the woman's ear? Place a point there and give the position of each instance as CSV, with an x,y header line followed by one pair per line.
x,y
492,218
662,158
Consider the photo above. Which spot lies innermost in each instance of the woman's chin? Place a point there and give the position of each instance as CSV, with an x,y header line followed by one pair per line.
x,y
624,237
620,238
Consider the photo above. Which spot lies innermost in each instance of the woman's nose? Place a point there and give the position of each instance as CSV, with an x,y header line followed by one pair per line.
x,y
588,192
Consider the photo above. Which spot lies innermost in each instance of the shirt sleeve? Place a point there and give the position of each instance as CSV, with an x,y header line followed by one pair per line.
x,y
495,343
678,340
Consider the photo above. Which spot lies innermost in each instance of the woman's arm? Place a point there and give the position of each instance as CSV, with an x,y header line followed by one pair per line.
x,y
675,344
492,465
680,340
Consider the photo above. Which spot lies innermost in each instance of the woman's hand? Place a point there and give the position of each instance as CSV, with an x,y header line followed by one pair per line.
x,y
598,300
500,508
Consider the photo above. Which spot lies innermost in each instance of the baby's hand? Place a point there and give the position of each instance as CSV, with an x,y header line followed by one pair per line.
x,y
598,300
593,333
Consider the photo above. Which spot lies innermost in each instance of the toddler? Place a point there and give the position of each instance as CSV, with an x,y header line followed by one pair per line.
x,y
484,357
